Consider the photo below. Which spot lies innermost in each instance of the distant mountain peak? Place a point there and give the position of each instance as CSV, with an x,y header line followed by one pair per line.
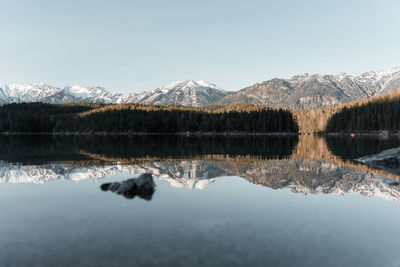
x,y
170,85
389,70
192,84
186,93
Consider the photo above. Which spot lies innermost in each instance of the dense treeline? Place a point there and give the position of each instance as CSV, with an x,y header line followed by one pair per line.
x,y
86,118
364,115
40,117
149,119
382,113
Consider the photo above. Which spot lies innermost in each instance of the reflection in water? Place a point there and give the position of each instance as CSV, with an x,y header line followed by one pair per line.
x,y
303,165
352,148
317,147
143,186
388,160
41,149
305,176
308,176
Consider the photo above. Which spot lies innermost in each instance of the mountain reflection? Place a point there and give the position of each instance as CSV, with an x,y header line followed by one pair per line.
x,y
302,164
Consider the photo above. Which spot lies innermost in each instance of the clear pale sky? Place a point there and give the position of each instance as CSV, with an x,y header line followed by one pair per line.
x,y
131,46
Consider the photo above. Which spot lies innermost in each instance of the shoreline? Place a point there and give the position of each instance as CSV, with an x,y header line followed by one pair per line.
x,y
387,160
141,133
374,134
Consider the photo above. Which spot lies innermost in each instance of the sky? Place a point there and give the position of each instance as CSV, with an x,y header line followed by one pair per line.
x,y
132,46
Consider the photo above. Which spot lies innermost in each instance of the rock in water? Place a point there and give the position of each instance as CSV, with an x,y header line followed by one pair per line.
x,y
143,186
388,160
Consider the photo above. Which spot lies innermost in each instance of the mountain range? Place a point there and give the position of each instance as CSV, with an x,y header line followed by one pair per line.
x,y
188,93
317,91
306,91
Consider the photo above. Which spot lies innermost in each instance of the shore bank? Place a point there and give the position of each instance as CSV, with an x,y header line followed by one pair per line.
x,y
373,134
388,160
141,133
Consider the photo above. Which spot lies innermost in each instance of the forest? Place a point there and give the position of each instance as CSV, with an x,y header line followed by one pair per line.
x,y
374,116
137,118
361,116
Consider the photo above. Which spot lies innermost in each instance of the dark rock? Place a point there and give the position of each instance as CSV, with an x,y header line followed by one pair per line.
x,y
143,186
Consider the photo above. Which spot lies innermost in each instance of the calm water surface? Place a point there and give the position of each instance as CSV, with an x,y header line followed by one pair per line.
x,y
245,201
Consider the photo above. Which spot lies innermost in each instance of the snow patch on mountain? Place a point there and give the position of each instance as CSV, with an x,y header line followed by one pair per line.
x,y
188,93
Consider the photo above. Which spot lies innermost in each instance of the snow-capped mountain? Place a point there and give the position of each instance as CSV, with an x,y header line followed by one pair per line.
x,y
189,93
4,98
315,91
41,92
33,92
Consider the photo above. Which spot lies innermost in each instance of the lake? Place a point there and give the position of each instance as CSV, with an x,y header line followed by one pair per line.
x,y
218,201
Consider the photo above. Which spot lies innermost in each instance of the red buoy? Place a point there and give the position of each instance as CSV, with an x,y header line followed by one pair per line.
x,y
353,135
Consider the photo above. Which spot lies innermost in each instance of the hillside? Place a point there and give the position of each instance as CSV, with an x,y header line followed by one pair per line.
x,y
313,91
